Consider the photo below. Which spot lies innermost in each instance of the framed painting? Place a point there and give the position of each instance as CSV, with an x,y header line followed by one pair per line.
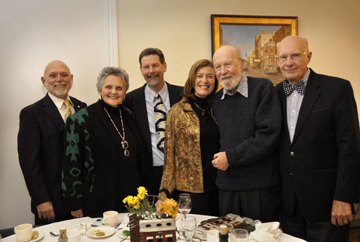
x,y
256,38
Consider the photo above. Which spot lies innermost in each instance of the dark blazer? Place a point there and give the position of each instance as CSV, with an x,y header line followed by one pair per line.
x,y
135,100
94,157
40,148
322,162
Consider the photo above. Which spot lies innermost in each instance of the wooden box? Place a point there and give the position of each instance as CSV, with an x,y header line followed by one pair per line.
x,y
158,229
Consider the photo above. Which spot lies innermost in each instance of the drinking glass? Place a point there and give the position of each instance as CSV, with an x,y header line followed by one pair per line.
x,y
240,235
188,227
184,203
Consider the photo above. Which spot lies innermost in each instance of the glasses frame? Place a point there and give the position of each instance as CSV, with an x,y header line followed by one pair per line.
x,y
280,59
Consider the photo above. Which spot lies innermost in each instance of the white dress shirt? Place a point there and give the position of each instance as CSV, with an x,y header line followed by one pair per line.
x,y
59,103
293,105
158,156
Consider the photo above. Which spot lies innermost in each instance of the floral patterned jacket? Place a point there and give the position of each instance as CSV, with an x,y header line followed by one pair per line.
x,y
182,164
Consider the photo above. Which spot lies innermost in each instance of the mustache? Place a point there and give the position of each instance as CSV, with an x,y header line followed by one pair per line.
x,y
60,83
153,76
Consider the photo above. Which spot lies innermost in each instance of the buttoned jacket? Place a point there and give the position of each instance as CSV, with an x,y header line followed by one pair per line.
x,y
40,148
322,162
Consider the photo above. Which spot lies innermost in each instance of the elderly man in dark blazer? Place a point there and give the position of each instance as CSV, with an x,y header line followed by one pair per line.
x,y
319,151
142,102
41,142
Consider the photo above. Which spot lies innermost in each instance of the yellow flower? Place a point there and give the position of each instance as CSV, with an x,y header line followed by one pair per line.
x,y
140,204
136,202
142,192
127,199
169,207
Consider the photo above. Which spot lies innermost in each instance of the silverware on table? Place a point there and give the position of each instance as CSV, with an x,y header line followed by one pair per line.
x,y
117,226
54,234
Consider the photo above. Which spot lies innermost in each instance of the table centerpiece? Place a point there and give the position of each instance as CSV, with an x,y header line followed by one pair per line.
x,y
150,220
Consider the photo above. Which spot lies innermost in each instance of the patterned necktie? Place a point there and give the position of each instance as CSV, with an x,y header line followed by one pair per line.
x,y
289,88
160,121
68,111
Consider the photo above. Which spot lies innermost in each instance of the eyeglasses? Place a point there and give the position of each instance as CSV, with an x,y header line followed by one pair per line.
x,y
294,57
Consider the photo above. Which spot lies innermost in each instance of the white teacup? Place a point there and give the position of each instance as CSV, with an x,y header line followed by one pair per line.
x,y
23,232
110,218
212,235
74,236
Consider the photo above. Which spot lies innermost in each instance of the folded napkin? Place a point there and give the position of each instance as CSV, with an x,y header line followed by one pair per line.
x,y
268,232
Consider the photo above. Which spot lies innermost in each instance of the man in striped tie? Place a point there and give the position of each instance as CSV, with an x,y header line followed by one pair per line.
x,y
150,103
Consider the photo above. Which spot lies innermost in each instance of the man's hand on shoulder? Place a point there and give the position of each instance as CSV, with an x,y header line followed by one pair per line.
x,y
46,211
220,161
341,213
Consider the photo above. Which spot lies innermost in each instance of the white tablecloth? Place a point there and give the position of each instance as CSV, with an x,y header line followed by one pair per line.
x,y
73,224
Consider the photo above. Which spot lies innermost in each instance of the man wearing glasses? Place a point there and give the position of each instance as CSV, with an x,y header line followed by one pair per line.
x,y
319,150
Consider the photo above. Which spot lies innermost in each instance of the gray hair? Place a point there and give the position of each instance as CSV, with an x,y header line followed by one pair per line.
x,y
116,71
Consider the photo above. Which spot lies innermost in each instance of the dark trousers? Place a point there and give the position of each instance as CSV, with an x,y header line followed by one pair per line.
x,y
323,231
157,172
262,204
206,203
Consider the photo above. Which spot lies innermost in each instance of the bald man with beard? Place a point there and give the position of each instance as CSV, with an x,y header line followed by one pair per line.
x,y
41,142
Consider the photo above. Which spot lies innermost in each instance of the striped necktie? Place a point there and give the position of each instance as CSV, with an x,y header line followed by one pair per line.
x,y
160,121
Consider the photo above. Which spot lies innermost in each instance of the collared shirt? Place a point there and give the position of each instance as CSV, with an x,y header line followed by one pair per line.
x,y
158,156
242,88
293,105
59,103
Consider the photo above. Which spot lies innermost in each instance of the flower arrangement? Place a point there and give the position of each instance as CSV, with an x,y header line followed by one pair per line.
x,y
168,207
141,206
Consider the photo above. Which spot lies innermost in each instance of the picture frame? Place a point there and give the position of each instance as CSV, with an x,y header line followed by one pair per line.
x,y
256,38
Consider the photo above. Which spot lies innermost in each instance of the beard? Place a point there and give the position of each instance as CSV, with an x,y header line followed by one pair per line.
x,y
229,84
153,80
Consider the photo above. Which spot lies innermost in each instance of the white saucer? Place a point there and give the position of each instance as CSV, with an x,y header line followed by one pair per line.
x,y
107,230
121,235
41,235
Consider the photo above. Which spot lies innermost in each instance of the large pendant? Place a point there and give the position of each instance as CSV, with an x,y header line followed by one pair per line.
x,y
126,152
125,146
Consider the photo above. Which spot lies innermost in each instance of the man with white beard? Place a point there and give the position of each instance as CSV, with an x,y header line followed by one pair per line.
x,y
249,116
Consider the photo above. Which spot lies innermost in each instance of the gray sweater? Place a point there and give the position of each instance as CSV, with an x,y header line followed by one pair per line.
x,y
249,131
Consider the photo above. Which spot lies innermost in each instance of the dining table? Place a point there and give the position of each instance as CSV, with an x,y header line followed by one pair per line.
x,y
76,223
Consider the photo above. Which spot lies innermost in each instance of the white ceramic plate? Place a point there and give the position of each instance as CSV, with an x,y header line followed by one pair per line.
x,y
121,235
41,235
107,230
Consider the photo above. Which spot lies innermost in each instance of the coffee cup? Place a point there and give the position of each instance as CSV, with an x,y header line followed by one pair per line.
x,y
212,235
110,218
23,232
74,236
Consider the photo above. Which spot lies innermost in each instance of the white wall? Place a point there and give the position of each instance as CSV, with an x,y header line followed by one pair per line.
x,y
181,29
32,33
